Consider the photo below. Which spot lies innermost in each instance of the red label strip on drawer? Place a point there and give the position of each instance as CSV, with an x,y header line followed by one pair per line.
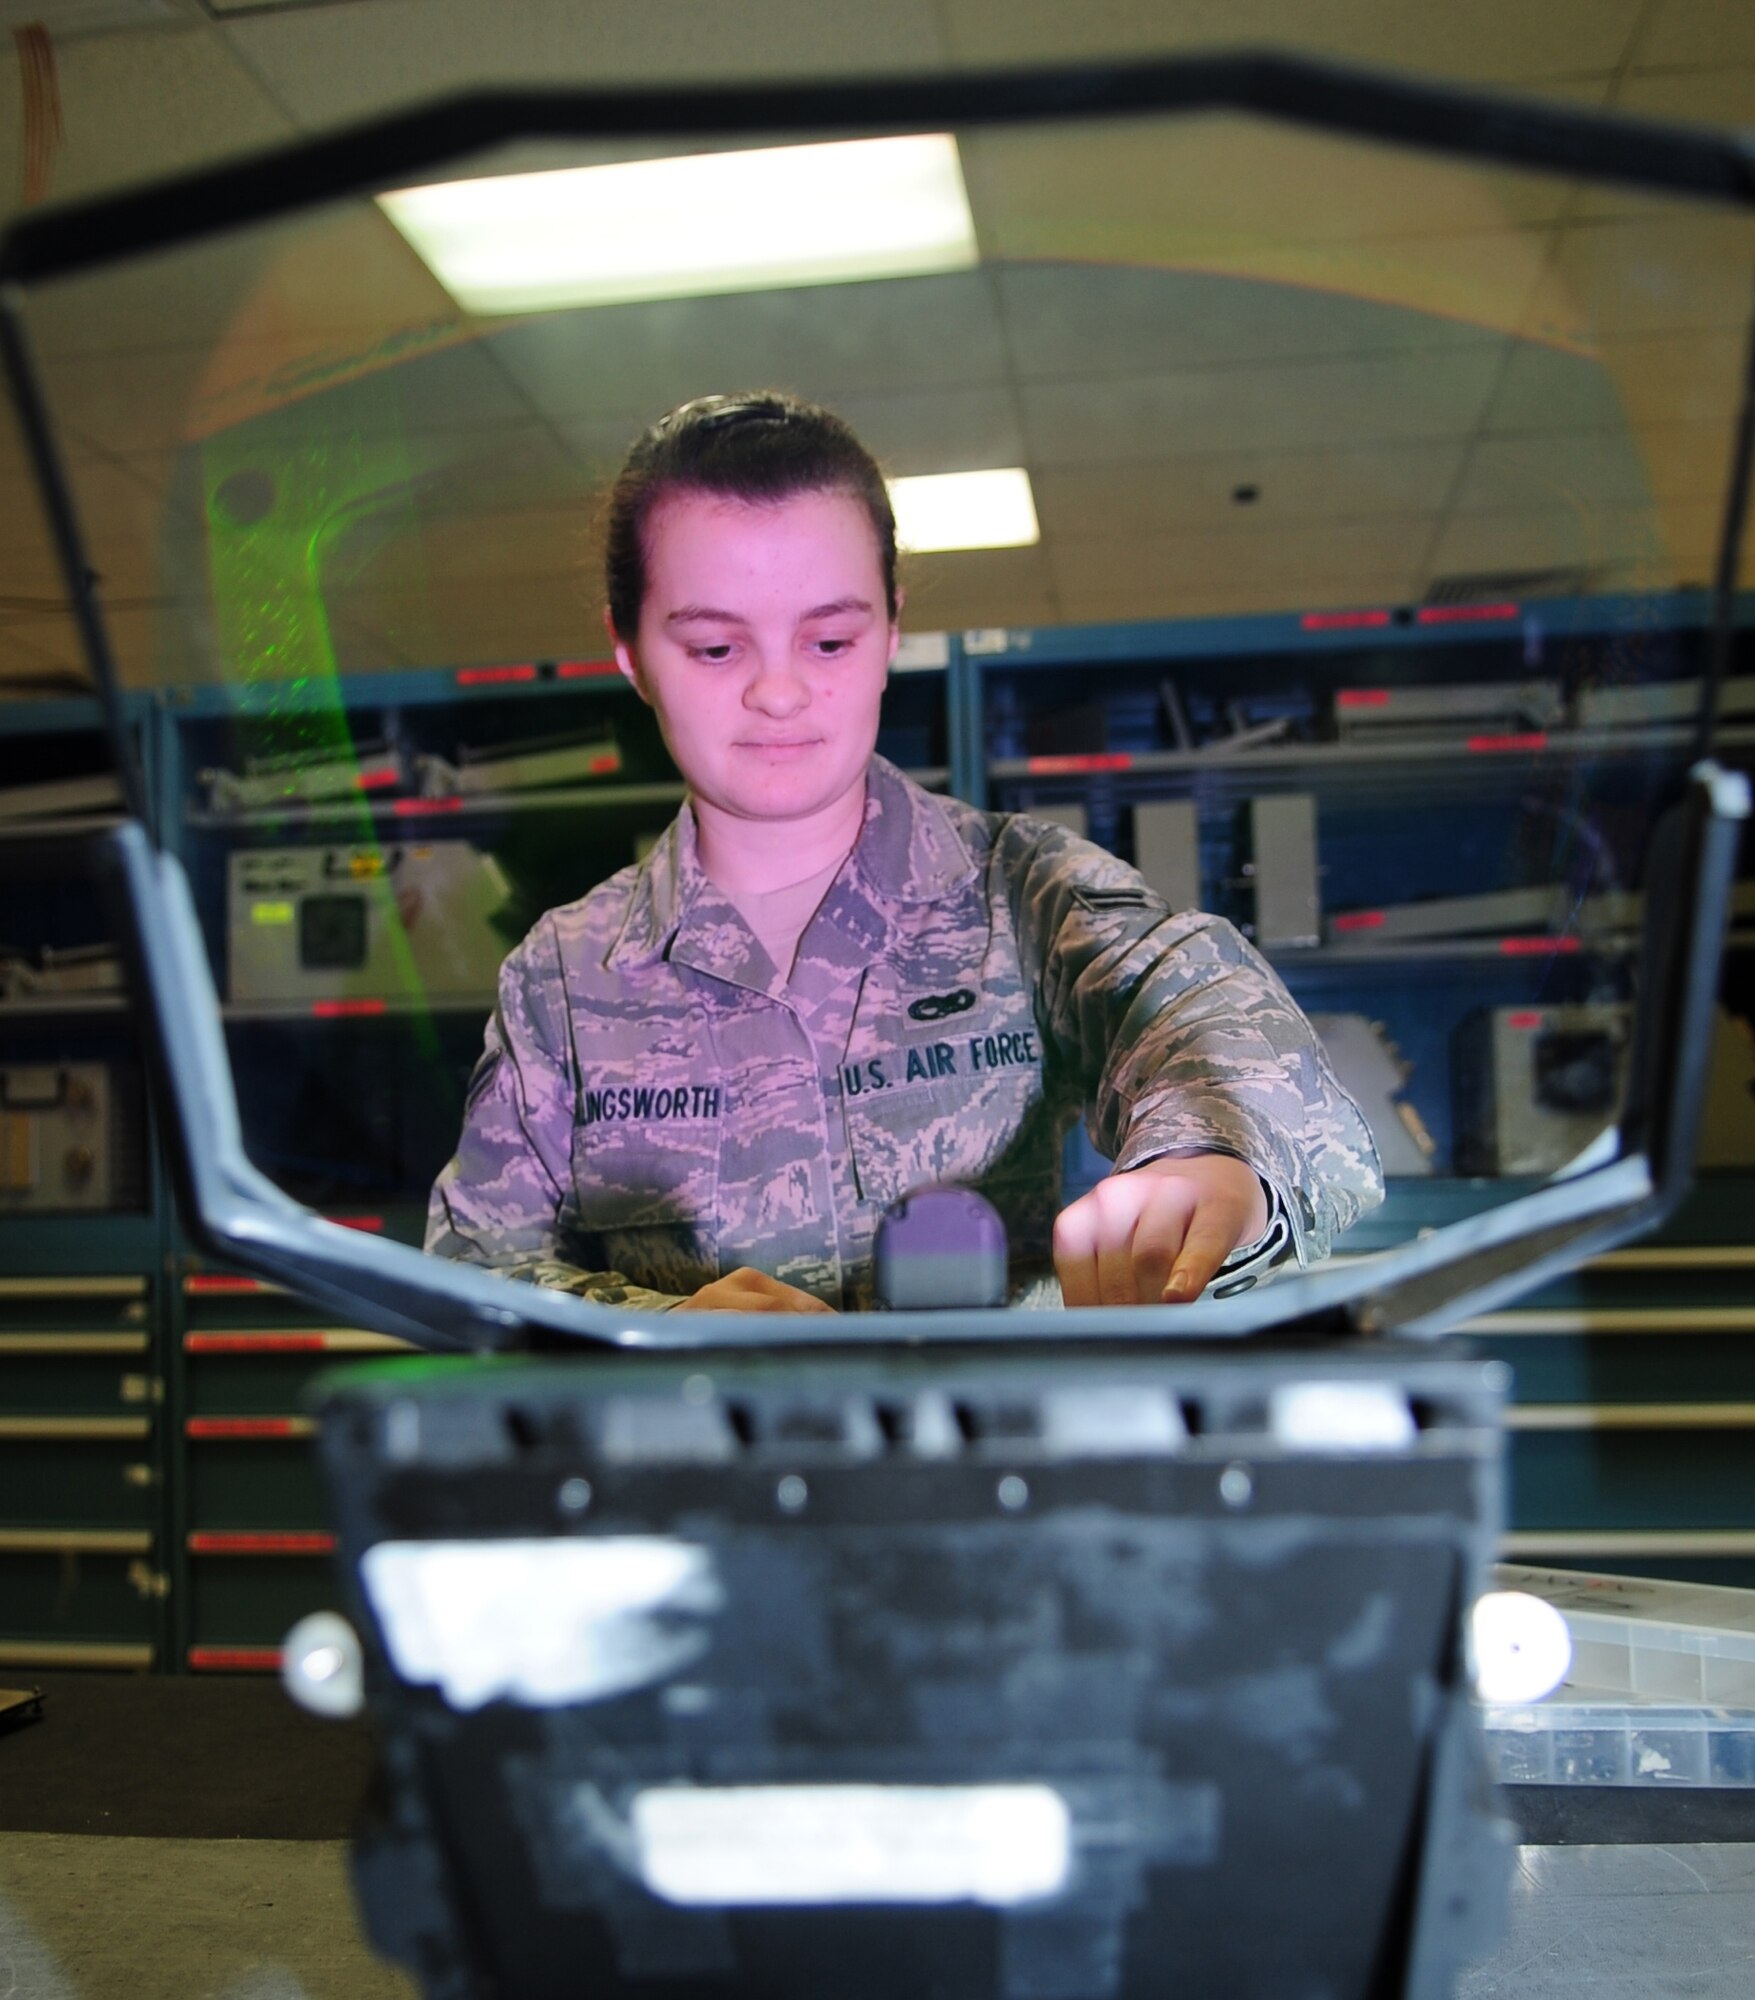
x,y
277,1340
256,1343
234,1659
1343,621
1464,614
248,1427
492,676
261,1542
220,1284
1092,760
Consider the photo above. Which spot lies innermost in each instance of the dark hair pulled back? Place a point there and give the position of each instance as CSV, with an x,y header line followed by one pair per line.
x,y
757,446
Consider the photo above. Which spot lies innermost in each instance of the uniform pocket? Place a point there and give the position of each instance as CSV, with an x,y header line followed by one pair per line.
x,y
958,1131
646,1154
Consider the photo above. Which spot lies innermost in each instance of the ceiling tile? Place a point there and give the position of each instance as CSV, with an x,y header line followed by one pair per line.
x,y
1174,495
1693,530
122,519
1145,595
978,587
1387,399
1266,562
1672,273
1581,470
621,367
1686,378
1688,461
1625,384
361,649
938,430
1073,319
1722,92
1616,468
140,402
126,402
332,64
1697,34
1221,191
39,645
145,104
154,645
29,668
1631,542
333,289
457,621
1490,40
516,545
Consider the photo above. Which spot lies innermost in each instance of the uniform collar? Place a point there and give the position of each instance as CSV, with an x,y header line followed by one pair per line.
x,y
908,851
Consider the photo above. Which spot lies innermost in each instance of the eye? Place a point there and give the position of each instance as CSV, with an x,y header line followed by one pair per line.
x,y
832,649
712,656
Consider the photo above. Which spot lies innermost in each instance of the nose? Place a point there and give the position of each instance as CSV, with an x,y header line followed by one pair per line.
x,y
776,688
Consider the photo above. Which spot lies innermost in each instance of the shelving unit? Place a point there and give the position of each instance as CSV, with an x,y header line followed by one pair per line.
x,y
157,1500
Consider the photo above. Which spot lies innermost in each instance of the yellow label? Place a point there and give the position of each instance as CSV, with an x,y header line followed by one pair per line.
x,y
271,913
361,866
17,1154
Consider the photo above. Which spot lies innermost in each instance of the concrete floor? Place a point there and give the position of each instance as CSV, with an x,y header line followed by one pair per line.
x,y
85,1918
90,1918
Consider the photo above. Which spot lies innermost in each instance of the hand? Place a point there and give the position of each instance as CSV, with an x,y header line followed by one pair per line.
x,y
749,1291
1158,1233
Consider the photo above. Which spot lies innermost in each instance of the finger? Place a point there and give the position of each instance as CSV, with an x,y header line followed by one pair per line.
x,y
1157,1243
1115,1267
1075,1254
1213,1233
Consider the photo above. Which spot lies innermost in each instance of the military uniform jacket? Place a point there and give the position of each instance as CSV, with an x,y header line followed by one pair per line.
x,y
656,1106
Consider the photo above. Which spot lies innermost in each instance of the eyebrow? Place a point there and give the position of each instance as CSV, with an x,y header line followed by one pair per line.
x,y
707,614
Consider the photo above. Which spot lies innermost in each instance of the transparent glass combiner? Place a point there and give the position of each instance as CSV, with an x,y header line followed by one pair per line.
x,y
1365,504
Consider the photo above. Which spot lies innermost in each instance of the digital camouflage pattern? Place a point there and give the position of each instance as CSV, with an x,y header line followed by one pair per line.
x,y
655,1106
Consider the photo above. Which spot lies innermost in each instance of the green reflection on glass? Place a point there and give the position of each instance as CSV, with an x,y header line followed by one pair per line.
x,y
283,491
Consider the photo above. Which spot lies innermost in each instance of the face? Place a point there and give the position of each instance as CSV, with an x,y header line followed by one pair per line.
x,y
764,643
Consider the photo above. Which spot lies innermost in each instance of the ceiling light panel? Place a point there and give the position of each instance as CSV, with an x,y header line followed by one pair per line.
x,y
965,510
708,223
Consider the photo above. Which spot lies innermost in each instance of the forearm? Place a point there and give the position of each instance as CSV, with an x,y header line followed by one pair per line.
x,y
1186,1041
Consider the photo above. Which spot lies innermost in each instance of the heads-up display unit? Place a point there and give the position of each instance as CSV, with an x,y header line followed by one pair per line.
x,y
1037,1656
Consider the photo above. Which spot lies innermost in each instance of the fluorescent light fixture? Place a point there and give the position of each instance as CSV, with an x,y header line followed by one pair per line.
x,y
965,510
710,222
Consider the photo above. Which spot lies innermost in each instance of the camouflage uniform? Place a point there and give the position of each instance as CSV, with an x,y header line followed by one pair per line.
x,y
656,1106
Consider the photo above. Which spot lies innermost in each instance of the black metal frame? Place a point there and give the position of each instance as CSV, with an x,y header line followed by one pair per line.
x,y
234,1211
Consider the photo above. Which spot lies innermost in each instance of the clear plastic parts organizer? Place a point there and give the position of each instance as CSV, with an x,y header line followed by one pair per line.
x,y
1661,1690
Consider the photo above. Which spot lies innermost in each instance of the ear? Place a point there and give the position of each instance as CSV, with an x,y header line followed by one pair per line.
x,y
627,660
896,630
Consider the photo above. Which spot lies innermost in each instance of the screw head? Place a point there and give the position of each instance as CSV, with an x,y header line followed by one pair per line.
x,y
792,1493
1236,1487
574,1496
1013,1493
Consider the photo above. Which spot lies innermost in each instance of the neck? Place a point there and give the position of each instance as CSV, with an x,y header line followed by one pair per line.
x,y
750,856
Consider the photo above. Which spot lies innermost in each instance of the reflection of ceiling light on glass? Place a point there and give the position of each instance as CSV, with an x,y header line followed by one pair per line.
x,y
965,510
1522,1646
713,222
